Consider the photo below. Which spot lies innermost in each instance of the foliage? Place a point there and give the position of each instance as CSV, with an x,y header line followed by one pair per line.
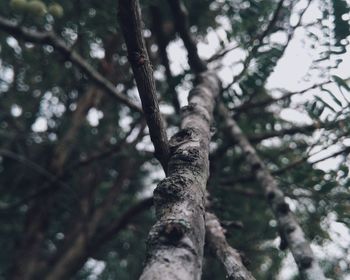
x,y
41,93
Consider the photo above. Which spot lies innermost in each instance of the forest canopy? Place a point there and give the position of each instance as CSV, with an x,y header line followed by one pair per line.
x,y
174,139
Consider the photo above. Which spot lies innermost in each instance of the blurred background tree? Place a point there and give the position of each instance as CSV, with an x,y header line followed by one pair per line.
x,y
76,164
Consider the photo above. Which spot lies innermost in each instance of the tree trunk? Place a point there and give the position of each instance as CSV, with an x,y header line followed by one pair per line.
x,y
288,225
175,243
224,252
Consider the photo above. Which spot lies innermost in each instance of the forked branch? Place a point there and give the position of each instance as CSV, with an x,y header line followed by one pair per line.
x,y
131,24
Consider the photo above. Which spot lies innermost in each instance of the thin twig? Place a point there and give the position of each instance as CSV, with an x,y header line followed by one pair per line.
x,y
270,100
130,20
180,15
257,43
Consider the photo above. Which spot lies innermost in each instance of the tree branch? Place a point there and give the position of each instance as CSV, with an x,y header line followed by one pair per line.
x,y
75,249
290,166
130,20
270,100
176,241
225,253
50,38
292,232
162,44
178,234
221,53
257,43
64,146
202,97
305,129
180,15
108,232
55,179
32,165
280,171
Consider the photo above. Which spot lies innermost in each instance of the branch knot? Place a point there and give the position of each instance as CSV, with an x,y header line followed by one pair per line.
x,y
137,58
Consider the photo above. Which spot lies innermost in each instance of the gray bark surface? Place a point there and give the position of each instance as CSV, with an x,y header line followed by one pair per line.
x,y
175,244
288,225
198,114
131,24
225,253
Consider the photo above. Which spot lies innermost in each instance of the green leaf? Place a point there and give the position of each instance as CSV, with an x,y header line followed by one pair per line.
x,y
341,26
345,170
335,99
341,82
325,104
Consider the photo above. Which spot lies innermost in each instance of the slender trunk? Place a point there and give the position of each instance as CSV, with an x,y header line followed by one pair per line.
x,y
162,41
175,243
130,20
224,252
183,28
288,225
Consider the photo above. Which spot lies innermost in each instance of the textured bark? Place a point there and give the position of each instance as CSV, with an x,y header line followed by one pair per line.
x,y
224,252
198,65
175,243
130,20
287,223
